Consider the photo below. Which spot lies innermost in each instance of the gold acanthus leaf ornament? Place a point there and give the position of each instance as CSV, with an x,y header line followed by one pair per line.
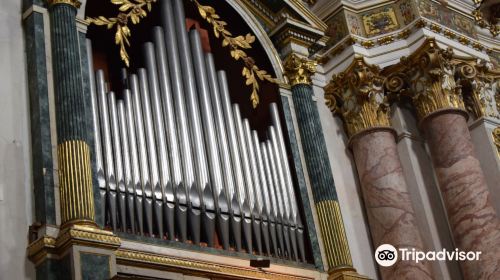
x,y
129,10
134,10
238,44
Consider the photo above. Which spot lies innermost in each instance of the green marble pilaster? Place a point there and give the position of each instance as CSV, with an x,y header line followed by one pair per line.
x,y
313,142
323,186
41,146
30,3
304,195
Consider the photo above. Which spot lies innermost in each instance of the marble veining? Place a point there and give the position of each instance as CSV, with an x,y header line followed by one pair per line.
x,y
473,220
391,216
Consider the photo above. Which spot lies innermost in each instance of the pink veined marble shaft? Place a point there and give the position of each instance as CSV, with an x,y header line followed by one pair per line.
x,y
391,216
473,220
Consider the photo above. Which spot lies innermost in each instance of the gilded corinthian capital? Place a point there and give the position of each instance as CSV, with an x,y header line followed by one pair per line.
x,y
358,96
430,74
480,87
74,3
299,70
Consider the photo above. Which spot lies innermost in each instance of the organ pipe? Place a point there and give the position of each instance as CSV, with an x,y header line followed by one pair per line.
x,y
176,159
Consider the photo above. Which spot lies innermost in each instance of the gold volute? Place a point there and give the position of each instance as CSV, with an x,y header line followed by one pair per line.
x,y
299,70
357,95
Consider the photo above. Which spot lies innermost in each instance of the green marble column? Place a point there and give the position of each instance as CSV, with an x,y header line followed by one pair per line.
x,y
75,172
299,72
81,250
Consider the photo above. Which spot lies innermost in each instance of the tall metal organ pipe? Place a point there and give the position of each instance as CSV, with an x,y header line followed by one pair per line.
x,y
127,167
239,195
118,161
283,192
156,187
215,97
136,198
146,189
263,192
107,149
273,219
226,196
100,173
174,155
189,81
275,191
210,198
159,125
248,203
256,210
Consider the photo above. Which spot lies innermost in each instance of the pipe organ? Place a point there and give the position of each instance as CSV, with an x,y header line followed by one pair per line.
x,y
176,160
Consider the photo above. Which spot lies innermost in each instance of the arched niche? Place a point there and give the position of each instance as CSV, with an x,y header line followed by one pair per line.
x,y
240,22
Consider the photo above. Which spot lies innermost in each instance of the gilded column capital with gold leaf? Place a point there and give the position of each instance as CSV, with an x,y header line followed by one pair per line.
x,y
74,3
430,77
357,95
480,83
299,70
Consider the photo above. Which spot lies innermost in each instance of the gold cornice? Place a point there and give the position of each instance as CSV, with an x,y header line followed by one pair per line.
x,y
74,3
40,248
308,14
137,258
72,235
358,96
86,235
299,70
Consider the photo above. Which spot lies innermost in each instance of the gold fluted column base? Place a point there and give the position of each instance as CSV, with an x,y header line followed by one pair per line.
x,y
345,274
335,241
75,183
333,232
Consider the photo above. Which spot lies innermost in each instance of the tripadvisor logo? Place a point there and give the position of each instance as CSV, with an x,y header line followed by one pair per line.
x,y
387,255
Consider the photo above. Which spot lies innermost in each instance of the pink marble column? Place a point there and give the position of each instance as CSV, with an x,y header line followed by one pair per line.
x,y
473,220
391,216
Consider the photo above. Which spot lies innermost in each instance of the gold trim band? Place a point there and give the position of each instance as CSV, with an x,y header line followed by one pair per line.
x,y
75,179
74,3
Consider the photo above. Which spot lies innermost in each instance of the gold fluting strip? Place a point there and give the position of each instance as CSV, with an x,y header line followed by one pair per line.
x,y
357,95
74,3
77,203
299,70
333,233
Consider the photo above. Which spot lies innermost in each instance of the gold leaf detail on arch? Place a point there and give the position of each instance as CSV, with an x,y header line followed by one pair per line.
x,y
237,45
133,10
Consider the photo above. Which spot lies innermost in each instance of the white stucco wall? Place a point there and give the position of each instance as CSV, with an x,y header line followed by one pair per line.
x,y
15,166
